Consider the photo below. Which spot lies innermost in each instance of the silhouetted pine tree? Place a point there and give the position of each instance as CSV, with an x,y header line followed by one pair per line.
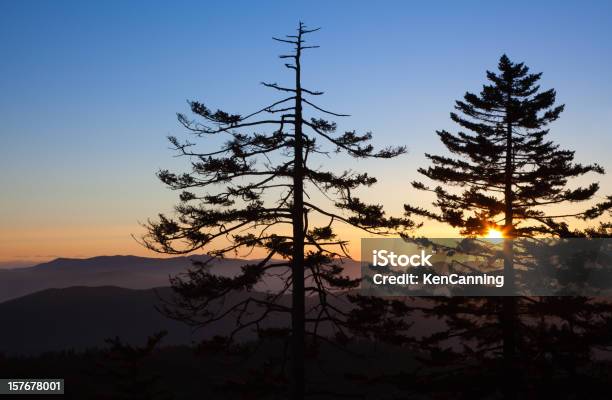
x,y
504,173
258,193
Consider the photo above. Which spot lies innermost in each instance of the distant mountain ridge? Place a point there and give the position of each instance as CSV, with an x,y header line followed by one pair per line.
x,y
78,318
118,261
130,272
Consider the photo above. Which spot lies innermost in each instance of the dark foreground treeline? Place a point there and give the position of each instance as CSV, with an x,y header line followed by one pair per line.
x,y
362,370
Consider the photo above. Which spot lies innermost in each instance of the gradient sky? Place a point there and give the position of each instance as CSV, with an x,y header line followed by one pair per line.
x,y
89,91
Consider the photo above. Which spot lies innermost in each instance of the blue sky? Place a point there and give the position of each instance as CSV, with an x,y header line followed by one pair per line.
x,y
89,91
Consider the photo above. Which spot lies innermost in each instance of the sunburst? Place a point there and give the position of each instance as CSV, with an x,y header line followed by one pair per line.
x,y
494,234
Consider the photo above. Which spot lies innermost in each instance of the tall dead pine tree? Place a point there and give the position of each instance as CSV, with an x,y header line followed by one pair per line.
x,y
257,193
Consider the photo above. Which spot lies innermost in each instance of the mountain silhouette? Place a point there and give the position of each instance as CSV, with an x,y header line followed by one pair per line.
x,y
129,272
76,304
80,318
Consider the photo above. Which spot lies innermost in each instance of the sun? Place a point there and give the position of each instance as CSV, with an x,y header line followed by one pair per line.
x,y
494,234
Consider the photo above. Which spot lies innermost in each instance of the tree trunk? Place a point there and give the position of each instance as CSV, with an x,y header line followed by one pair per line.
x,y
509,302
298,307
